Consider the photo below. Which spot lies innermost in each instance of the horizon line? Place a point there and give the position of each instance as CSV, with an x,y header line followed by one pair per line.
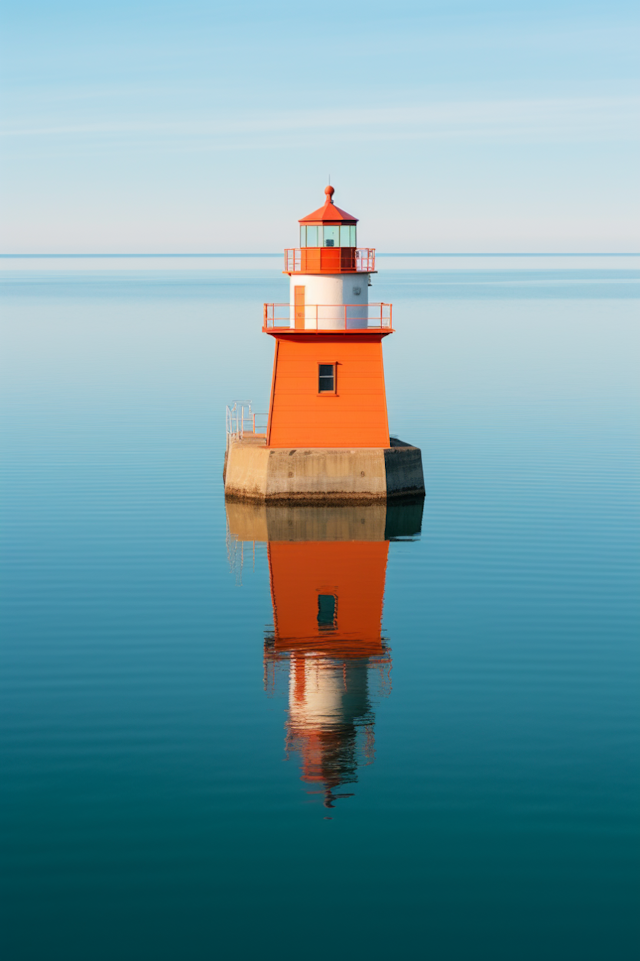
x,y
379,254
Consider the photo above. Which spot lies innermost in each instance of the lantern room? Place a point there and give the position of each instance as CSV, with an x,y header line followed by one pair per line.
x,y
329,226
328,243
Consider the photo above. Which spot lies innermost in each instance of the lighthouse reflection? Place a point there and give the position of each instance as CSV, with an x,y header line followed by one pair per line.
x,y
327,570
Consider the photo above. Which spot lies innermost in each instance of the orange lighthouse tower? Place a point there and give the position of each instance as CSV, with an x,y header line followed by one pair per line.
x,y
328,377
327,431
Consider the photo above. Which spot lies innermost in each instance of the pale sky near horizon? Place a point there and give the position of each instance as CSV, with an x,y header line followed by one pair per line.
x,y
199,127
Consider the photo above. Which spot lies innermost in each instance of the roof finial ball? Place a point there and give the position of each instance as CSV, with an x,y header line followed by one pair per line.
x,y
329,192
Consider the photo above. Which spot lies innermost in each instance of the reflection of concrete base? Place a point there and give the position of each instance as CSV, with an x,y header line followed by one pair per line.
x,y
321,474
377,521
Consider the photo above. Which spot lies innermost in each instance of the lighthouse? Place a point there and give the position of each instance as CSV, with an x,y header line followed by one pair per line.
x,y
327,570
325,437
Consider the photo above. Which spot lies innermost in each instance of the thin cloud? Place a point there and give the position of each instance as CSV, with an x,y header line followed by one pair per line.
x,y
566,118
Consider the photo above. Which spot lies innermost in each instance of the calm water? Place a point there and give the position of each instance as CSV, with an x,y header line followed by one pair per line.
x,y
187,774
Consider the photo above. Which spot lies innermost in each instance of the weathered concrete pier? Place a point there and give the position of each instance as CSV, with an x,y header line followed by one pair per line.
x,y
322,475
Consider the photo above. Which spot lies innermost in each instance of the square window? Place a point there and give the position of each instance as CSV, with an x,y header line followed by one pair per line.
x,y
326,378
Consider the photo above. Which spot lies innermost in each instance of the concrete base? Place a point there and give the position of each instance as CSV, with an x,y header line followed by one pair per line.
x,y
321,475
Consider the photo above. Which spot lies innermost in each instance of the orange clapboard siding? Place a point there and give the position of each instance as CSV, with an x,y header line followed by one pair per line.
x,y
353,571
355,416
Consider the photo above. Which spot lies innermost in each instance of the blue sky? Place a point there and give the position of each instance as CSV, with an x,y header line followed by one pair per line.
x,y
198,127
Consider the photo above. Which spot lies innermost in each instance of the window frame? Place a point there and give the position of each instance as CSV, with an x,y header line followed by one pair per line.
x,y
328,393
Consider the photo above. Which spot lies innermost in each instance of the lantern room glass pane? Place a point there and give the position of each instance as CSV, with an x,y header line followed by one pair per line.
x,y
345,236
331,236
303,236
312,237
352,234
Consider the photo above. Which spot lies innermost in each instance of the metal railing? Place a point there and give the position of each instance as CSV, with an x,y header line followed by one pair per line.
x,y
330,259
241,419
327,317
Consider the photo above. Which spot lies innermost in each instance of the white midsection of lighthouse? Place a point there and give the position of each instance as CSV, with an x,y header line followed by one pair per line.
x,y
332,693
325,297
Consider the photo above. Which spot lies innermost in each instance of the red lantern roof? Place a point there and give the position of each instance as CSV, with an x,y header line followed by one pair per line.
x,y
329,214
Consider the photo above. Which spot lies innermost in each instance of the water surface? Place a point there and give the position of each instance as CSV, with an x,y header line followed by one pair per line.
x,y
182,701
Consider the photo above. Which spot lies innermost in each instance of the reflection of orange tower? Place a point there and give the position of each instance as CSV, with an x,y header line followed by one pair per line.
x,y
327,569
327,603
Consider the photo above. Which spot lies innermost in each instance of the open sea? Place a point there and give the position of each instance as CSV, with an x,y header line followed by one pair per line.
x,y
196,762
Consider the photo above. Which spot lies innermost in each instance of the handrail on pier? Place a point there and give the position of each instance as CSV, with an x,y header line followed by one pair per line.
x,y
241,419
